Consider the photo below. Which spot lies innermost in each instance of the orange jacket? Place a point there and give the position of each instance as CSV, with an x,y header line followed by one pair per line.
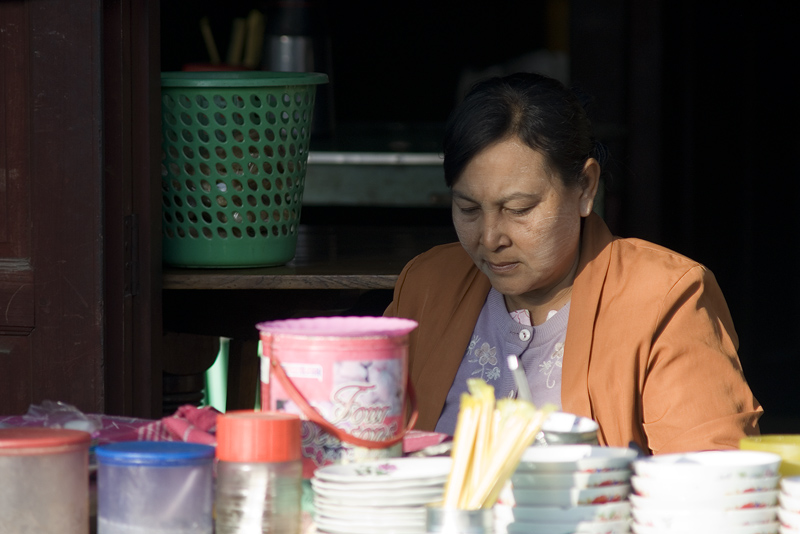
x,y
650,351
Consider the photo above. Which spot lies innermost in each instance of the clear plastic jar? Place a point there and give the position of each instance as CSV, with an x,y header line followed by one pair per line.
x,y
155,487
259,473
44,480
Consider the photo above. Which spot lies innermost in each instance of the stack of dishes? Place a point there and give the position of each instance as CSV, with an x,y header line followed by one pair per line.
x,y
789,509
708,492
366,497
566,489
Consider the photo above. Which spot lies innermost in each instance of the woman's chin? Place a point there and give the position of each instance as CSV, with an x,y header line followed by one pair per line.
x,y
506,287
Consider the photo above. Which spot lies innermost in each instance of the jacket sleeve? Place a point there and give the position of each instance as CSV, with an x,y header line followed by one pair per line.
x,y
694,395
405,303
394,307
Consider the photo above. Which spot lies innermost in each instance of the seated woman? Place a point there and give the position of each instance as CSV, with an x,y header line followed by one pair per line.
x,y
628,333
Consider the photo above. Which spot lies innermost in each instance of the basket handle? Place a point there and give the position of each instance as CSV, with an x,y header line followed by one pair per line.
x,y
342,435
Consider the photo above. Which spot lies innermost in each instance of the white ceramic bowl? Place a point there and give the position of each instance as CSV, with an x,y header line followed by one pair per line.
x,y
789,519
575,458
758,499
615,511
562,428
788,502
761,528
791,486
571,496
583,527
570,480
677,489
707,465
679,520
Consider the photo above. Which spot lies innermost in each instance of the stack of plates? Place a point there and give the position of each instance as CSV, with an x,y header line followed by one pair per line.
x,y
566,489
387,496
789,509
709,492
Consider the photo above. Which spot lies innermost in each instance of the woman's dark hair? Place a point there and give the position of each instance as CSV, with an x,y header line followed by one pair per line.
x,y
539,110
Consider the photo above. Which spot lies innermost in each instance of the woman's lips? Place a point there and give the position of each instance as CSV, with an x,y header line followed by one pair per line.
x,y
501,268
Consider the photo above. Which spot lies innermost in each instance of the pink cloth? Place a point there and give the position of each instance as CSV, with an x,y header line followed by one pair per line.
x,y
188,423
192,424
416,440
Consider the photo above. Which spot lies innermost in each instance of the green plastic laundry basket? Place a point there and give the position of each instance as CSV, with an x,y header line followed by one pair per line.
x,y
235,149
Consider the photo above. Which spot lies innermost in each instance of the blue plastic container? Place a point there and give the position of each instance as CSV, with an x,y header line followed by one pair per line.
x,y
157,487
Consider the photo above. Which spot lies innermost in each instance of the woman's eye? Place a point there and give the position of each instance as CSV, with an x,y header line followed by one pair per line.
x,y
519,211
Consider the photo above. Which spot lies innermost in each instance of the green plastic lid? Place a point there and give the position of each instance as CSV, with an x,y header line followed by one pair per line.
x,y
241,79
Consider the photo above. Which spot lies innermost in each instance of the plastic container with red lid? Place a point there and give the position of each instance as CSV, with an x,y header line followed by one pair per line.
x,y
259,473
45,480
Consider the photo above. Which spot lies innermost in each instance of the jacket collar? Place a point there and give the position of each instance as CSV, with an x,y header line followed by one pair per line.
x,y
593,265
446,353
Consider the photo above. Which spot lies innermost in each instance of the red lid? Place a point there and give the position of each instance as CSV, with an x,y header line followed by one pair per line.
x,y
39,440
250,436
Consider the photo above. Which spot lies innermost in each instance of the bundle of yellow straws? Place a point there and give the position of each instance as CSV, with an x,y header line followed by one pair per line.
x,y
489,441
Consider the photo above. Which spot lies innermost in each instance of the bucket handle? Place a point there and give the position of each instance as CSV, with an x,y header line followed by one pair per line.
x,y
342,435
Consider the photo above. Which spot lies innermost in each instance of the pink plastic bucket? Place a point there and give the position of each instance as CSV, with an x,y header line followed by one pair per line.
x,y
347,377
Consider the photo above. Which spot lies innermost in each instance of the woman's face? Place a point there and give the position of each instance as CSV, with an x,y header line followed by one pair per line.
x,y
520,224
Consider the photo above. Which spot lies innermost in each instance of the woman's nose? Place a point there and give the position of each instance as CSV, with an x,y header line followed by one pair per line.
x,y
493,234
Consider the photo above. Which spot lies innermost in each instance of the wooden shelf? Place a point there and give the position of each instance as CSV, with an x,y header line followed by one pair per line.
x,y
327,257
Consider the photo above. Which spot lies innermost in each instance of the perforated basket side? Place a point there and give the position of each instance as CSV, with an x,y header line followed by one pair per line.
x,y
233,171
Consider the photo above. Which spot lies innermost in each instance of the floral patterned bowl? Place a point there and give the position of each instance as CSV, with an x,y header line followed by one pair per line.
x,y
693,489
708,465
571,496
759,528
575,458
791,486
742,501
681,520
789,519
614,511
570,480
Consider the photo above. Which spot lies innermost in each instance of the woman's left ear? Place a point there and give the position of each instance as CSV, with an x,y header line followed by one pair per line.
x,y
591,181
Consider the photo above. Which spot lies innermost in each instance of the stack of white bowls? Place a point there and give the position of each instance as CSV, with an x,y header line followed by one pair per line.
x,y
566,489
708,492
371,496
789,509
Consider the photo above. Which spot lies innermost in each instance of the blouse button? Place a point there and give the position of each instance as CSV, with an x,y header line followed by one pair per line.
x,y
524,335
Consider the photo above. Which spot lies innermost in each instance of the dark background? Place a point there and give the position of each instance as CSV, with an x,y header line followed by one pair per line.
x,y
698,102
